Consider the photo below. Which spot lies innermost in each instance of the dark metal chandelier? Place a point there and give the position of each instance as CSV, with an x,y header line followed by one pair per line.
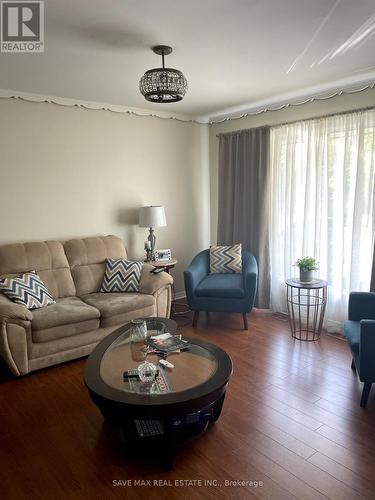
x,y
163,84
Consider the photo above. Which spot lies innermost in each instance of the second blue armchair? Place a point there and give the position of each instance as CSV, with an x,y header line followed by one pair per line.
x,y
221,292
360,333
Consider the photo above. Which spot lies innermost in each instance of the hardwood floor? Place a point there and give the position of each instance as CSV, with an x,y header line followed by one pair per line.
x,y
291,420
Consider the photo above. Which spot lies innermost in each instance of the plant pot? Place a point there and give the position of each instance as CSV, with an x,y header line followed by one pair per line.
x,y
305,276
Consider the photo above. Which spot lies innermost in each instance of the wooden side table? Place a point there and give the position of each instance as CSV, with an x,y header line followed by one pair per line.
x,y
306,307
168,264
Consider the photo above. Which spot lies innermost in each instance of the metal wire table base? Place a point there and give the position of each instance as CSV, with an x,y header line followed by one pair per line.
x,y
306,307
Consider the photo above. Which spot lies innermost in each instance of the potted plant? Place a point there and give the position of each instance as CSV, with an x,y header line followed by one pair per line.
x,y
306,267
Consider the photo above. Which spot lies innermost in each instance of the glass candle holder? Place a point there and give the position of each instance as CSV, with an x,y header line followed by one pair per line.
x,y
138,330
147,372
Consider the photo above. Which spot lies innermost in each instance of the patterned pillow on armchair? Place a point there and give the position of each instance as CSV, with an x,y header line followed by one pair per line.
x,y
226,259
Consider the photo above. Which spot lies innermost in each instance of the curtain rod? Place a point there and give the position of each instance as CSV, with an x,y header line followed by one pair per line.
x,y
329,115
292,122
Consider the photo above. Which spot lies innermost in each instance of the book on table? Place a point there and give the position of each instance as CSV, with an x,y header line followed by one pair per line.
x,y
164,343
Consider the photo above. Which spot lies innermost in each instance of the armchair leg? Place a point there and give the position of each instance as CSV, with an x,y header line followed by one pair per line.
x,y
245,323
353,365
365,393
195,318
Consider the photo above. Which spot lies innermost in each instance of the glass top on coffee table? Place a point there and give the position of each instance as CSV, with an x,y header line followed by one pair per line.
x,y
192,367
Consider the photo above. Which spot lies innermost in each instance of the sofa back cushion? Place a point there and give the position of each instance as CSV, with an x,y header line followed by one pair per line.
x,y
87,258
47,258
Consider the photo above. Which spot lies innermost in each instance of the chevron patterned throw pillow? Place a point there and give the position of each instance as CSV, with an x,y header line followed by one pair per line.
x,y
27,289
226,259
121,276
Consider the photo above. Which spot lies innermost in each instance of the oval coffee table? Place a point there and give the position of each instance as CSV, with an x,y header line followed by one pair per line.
x,y
182,401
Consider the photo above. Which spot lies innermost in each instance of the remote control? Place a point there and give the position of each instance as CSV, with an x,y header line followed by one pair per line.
x,y
158,270
131,373
134,373
165,363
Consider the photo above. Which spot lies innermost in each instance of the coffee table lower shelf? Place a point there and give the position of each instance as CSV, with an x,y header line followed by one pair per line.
x,y
176,431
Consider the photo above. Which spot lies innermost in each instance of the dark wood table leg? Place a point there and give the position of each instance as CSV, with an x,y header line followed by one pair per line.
x,y
245,323
365,393
195,319
166,455
217,407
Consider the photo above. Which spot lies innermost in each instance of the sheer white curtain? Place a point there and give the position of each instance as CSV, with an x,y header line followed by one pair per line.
x,y
321,195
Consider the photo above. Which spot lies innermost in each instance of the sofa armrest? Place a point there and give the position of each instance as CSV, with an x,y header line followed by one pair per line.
x,y
13,313
197,270
361,306
15,327
367,350
250,273
151,283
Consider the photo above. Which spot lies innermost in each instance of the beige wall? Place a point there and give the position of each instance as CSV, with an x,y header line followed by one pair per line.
x,y
69,172
337,104
83,172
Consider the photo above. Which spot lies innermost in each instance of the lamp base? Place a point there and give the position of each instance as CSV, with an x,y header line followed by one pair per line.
x,y
152,239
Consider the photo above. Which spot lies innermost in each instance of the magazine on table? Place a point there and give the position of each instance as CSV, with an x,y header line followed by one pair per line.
x,y
167,343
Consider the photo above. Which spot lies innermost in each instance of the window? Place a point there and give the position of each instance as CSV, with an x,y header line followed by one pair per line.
x,y
321,194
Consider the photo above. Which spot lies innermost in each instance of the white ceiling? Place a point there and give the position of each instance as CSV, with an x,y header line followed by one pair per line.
x,y
233,52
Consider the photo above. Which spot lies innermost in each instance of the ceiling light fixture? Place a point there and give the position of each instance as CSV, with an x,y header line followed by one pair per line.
x,y
163,84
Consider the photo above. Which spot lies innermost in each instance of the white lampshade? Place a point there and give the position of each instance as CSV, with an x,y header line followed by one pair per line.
x,y
152,217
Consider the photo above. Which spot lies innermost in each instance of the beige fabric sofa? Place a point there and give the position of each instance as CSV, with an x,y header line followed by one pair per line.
x,y
73,272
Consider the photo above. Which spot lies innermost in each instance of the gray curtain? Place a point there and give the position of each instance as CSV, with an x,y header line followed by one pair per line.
x,y
243,209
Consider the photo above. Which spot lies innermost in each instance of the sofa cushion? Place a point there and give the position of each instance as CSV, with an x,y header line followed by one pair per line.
x,y
221,285
121,275
352,331
66,311
63,331
28,290
87,260
122,319
118,303
226,259
47,258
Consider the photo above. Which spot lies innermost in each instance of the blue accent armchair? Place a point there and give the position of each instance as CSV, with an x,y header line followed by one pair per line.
x,y
359,331
221,292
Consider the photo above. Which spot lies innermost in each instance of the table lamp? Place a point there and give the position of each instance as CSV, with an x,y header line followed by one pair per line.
x,y
151,217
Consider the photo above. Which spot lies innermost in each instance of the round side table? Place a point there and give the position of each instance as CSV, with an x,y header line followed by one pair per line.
x,y
306,306
168,264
